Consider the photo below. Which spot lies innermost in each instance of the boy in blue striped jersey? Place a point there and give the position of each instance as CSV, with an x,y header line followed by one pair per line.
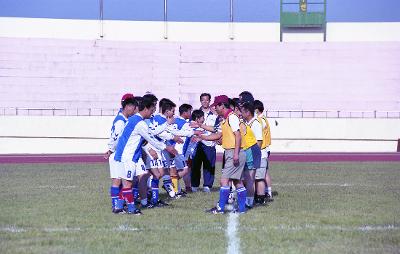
x,y
129,150
157,160
129,108
183,129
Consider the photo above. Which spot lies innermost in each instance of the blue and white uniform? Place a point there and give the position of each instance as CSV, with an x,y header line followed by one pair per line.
x,y
129,148
157,125
116,168
181,128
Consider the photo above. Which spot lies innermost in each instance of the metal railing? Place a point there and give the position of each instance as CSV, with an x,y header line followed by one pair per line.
x,y
331,114
17,111
292,113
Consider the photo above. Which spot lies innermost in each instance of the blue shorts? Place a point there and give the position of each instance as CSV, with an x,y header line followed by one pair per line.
x,y
253,157
180,162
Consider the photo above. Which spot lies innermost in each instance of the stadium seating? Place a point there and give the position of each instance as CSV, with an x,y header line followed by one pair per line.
x,y
93,74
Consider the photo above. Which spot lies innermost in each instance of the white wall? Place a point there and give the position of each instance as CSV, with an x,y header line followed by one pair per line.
x,y
189,31
89,134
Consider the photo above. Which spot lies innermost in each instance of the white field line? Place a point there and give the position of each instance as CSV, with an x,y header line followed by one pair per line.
x,y
50,230
126,228
316,184
56,187
231,233
304,227
231,230
12,229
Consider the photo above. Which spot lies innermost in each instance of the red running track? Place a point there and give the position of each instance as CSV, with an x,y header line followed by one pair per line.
x,y
284,157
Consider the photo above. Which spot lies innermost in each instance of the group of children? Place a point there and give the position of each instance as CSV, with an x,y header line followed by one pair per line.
x,y
146,147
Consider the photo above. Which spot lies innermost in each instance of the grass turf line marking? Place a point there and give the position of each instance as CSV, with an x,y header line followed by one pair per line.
x,y
56,187
317,184
12,229
50,230
126,228
231,233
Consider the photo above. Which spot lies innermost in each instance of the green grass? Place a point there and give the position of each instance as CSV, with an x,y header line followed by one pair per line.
x,y
321,208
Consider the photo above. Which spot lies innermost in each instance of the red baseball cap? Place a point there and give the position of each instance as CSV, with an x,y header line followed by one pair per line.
x,y
220,99
127,96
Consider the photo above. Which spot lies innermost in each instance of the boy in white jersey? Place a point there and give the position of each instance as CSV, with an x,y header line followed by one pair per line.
x,y
129,108
129,149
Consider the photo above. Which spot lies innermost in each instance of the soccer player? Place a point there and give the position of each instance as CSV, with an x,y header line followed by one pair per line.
x,y
129,150
265,152
129,108
235,157
252,137
190,145
183,129
158,126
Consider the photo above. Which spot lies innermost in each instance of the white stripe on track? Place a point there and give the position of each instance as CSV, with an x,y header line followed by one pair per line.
x,y
231,233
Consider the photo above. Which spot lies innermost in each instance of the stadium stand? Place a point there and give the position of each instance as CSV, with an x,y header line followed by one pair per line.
x,y
92,74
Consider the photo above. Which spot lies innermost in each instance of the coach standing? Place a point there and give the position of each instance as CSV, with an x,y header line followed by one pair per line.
x,y
206,153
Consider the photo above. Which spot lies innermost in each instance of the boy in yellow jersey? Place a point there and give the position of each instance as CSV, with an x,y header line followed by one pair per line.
x,y
263,193
252,140
235,157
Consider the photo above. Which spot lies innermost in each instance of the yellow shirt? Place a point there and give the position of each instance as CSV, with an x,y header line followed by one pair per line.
x,y
228,137
266,132
248,138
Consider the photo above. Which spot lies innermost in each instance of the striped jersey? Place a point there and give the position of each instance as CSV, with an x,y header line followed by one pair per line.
x,y
116,130
130,143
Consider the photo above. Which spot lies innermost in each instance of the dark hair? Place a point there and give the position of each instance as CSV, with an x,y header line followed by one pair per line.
x,y
196,114
248,106
246,96
259,105
206,94
167,105
148,101
184,108
139,99
234,102
128,101
162,101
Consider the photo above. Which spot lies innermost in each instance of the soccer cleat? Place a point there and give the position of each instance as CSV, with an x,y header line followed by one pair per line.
x,y
117,211
135,212
237,211
268,198
215,210
169,189
195,189
248,207
161,203
180,194
260,202
206,189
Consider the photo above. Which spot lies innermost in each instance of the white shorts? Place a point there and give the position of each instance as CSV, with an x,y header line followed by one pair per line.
x,y
153,163
133,169
117,169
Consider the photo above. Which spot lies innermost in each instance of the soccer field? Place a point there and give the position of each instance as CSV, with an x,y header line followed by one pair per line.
x,y
321,208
